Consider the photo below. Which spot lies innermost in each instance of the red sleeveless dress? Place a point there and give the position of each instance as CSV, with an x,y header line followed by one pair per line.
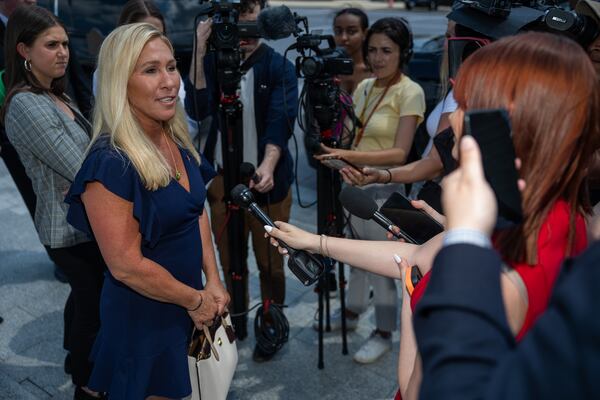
x,y
539,279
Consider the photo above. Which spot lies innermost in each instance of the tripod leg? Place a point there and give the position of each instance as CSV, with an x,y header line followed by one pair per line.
x,y
320,363
342,287
325,288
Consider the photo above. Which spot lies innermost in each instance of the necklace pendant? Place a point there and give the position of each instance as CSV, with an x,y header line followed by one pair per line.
x,y
177,175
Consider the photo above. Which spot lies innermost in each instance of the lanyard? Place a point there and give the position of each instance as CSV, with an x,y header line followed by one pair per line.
x,y
361,132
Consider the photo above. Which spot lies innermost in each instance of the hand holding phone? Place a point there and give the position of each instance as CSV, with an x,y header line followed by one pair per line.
x,y
491,129
339,163
416,223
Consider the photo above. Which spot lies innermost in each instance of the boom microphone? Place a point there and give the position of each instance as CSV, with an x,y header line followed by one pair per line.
x,y
358,203
303,264
276,23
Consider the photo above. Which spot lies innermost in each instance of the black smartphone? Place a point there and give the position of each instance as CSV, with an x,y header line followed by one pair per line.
x,y
339,163
416,223
491,129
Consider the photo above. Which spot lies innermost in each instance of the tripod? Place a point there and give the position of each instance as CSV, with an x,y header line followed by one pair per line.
x,y
330,222
232,134
322,106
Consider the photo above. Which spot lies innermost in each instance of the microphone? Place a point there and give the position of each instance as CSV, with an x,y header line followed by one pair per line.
x,y
276,23
358,203
303,264
248,173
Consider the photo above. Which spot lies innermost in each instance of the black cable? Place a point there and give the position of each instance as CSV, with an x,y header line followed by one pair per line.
x,y
272,336
300,125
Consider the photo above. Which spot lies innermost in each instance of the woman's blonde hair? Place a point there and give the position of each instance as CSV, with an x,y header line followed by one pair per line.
x,y
113,114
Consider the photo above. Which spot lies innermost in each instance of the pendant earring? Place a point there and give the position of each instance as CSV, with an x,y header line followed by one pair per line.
x,y
27,65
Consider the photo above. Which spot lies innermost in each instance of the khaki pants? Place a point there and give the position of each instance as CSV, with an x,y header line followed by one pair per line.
x,y
272,283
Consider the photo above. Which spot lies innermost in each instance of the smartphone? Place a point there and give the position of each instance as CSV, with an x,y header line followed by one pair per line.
x,y
491,129
416,223
339,163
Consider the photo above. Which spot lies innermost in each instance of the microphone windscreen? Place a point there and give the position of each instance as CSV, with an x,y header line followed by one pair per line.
x,y
357,202
247,170
276,23
241,195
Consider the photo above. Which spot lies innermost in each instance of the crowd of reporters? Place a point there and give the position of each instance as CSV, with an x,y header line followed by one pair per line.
x,y
118,202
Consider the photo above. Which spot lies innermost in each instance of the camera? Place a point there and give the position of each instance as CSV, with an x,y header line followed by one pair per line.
x,y
323,104
497,18
330,62
226,28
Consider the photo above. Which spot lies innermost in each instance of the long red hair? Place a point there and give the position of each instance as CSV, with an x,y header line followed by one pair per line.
x,y
548,84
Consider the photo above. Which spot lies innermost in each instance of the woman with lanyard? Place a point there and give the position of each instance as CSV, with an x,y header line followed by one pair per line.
x,y
390,106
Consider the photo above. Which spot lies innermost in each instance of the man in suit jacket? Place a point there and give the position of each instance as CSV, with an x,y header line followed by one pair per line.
x,y
466,346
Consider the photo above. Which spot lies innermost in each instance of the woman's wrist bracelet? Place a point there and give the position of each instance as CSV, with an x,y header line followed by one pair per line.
x,y
389,175
201,301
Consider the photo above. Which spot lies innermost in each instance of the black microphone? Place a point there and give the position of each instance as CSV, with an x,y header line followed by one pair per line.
x,y
276,23
303,264
248,173
358,203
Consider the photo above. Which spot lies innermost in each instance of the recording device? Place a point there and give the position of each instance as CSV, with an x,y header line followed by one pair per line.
x,y
416,223
498,18
491,129
248,173
303,264
226,27
358,203
316,63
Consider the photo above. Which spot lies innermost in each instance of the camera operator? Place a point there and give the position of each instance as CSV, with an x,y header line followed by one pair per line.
x,y
269,94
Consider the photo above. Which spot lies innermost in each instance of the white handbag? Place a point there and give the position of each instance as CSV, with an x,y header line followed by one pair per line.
x,y
212,359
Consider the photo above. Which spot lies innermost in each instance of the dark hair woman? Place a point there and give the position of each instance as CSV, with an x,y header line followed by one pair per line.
x,y
350,27
390,106
142,11
51,136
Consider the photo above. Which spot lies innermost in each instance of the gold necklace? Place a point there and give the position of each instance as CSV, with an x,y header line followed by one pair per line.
x,y
177,173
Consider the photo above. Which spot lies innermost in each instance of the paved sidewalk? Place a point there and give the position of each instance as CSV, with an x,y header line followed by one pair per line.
x,y
31,354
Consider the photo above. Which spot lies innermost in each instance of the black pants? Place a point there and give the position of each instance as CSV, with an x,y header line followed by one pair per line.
x,y
84,267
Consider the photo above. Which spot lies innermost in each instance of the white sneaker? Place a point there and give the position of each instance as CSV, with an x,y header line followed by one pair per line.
x,y
374,347
335,322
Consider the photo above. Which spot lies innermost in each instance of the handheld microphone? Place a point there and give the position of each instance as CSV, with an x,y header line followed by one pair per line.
x,y
276,23
248,173
303,264
358,203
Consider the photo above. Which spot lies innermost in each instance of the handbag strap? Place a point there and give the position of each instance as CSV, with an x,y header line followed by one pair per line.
x,y
210,341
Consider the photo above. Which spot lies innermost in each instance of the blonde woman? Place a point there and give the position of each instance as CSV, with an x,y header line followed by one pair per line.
x,y
141,192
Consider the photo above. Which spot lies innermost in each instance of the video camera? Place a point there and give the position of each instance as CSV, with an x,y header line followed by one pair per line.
x,y
226,28
225,39
326,62
497,18
321,98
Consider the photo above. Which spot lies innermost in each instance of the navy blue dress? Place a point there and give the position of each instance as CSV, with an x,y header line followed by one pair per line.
x,y
141,347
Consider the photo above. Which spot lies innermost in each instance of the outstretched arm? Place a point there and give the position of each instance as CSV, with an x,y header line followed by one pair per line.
x,y
372,256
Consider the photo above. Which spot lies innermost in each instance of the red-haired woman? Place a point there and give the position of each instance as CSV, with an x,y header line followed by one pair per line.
x,y
549,86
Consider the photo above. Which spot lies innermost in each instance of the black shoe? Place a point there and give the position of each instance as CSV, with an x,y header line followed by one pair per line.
x,y
1,320
68,364
59,275
260,356
81,394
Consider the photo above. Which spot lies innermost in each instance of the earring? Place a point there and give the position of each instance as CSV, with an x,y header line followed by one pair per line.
x,y
27,65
